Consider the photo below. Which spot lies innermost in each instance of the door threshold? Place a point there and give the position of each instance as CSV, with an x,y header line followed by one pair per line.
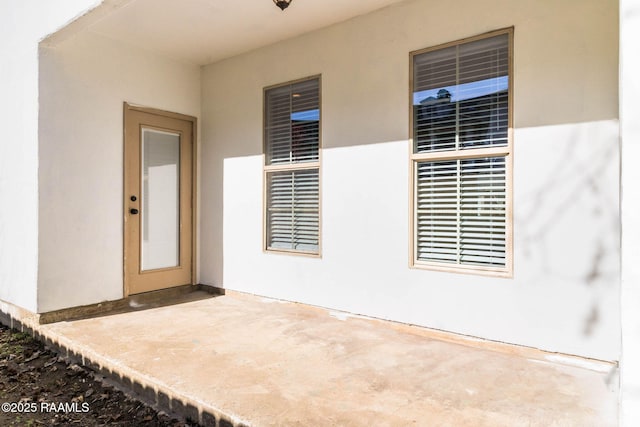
x,y
137,302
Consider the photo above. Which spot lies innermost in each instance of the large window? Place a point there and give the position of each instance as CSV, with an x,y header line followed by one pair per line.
x,y
462,154
292,167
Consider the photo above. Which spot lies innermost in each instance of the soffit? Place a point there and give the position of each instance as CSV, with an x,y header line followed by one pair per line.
x,y
205,31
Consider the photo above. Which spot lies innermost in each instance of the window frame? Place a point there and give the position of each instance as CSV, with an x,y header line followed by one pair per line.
x,y
462,154
290,167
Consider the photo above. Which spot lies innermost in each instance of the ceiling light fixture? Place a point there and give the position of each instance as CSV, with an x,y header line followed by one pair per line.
x,y
282,4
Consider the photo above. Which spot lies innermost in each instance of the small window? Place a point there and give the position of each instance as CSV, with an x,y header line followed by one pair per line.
x,y
292,167
461,155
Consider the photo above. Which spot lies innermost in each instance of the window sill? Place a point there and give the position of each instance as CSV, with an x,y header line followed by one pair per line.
x,y
293,252
505,273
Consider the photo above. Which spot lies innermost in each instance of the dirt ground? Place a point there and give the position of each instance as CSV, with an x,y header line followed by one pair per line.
x,y
38,388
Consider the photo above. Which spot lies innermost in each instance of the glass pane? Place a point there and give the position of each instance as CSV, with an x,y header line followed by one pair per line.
x,y
484,92
434,108
292,125
160,199
293,210
461,211
461,96
483,211
437,211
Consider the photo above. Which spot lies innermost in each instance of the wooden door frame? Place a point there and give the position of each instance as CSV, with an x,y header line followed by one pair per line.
x,y
127,107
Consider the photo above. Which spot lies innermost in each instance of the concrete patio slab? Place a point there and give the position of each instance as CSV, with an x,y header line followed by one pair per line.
x,y
243,360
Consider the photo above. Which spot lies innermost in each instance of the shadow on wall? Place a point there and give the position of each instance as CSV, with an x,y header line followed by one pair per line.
x,y
569,224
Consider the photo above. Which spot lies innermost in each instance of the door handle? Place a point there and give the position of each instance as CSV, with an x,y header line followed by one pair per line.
x,y
133,211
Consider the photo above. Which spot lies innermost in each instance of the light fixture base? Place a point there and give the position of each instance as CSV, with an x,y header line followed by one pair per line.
x,y
282,4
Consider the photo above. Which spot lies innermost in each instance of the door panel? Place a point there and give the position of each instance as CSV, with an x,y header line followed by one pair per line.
x,y
158,217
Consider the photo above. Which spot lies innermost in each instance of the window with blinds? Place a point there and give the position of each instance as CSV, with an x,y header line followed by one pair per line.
x,y
461,155
292,166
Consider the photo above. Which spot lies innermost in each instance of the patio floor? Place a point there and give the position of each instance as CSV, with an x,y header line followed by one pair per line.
x,y
243,360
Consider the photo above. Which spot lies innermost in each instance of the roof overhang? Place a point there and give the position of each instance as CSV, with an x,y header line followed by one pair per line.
x,y
205,31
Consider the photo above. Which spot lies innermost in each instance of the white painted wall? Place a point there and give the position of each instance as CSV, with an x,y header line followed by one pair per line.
x,y
84,82
630,135
22,25
564,295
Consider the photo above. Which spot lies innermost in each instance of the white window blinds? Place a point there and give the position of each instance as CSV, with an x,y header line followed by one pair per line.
x,y
292,123
292,144
461,96
461,154
293,210
461,211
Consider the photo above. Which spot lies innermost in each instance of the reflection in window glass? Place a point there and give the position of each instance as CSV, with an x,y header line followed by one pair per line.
x,y
461,96
460,102
292,169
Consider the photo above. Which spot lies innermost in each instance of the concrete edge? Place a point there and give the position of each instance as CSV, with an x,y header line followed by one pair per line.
x,y
141,387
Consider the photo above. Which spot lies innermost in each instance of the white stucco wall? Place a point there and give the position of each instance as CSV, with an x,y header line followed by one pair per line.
x,y
84,82
564,293
22,25
630,136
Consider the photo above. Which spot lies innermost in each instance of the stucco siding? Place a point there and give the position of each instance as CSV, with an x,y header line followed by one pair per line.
x,y
84,82
22,26
630,292
564,292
